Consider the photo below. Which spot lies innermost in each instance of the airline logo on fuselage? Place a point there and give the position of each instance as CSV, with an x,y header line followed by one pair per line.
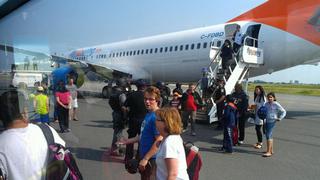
x,y
253,52
212,35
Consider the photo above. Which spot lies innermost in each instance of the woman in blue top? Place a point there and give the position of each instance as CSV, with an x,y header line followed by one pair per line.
x,y
275,113
149,137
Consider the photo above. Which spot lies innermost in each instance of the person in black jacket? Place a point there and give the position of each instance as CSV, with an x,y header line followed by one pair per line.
x,y
178,89
116,102
226,55
242,104
136,109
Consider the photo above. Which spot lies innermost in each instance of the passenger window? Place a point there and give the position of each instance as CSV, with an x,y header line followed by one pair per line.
x,y
186,47
113,54
116,55
138,52
130,53
147,50
161,50
192,46
155,50
127,53
198,45
204,45
142,51
170,48
165,49
176,48
151,51
181,47
218,43
134,52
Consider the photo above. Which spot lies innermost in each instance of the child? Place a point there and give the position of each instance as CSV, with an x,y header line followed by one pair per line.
x,y
230,119
41,105
275,112
176,101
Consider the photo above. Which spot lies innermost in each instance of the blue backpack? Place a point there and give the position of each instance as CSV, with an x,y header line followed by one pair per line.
x,y
262,112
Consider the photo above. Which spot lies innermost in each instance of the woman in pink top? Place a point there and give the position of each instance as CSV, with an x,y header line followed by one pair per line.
x,y
63,97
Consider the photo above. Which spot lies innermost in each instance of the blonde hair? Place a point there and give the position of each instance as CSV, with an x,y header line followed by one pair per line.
x,y
153,91
171,117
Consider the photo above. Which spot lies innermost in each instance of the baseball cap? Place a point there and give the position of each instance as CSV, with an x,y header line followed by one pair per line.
x,y
40,88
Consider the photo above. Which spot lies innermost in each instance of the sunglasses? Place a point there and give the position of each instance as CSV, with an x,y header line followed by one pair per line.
x,y
149,99
160,120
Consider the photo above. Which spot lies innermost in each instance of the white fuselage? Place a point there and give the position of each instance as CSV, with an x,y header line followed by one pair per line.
x,y
171,58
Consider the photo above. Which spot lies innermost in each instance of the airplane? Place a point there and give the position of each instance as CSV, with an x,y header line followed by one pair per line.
x,y
285,32
285,35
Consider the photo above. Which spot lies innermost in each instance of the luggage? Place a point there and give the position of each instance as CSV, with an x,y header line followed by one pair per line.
x,y
194,160
235,135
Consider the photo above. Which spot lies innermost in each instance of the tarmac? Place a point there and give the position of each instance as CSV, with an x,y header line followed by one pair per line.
x,y
296,145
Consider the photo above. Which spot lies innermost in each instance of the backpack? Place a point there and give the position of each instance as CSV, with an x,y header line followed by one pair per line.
x,y
60,163
194,160
262,112
114,101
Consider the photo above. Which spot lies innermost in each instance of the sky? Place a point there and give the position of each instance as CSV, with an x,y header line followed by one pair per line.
x,y
60,26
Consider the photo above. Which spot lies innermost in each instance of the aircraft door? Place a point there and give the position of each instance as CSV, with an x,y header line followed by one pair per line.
x,y
253,32
229,30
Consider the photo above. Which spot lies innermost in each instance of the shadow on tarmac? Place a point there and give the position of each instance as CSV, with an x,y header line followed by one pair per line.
x,y
100,124
96,155
296,114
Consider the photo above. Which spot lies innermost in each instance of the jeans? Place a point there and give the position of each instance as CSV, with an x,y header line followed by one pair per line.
x,y
269,129
118,126
259,133
242,122
63,116
227,139
134,129
189,115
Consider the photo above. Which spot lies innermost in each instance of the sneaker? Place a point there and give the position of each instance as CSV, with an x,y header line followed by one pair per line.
x,y
240,142
222,149
193,134
184,130
75,119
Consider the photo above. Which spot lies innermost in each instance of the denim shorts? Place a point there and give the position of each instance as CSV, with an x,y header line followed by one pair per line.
x,y
269,129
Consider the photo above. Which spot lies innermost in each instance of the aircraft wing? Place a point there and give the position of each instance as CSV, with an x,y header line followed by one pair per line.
x,y
12,49
106,72
312,62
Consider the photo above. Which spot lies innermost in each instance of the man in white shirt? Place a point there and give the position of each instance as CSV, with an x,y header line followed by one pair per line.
x,y
24,149
237,40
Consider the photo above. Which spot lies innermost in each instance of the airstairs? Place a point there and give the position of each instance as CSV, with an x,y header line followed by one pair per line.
x,y
249,56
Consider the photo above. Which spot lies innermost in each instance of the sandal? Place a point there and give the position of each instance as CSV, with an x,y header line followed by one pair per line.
x,y
258,145
267,155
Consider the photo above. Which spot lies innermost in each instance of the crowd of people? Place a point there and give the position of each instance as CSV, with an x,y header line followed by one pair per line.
x,y
153,123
